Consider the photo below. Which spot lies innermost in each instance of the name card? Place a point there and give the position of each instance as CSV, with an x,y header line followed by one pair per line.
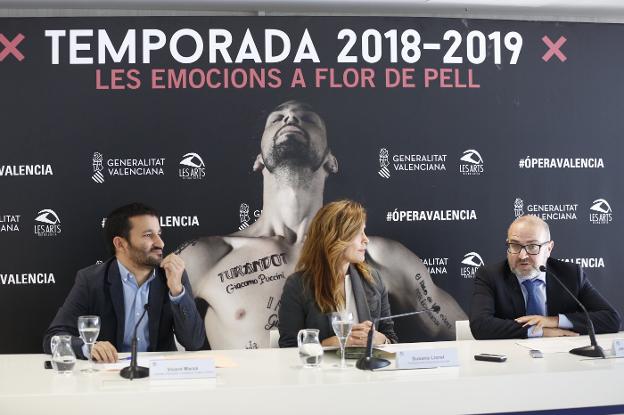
x,y
182,369
426,358
618,347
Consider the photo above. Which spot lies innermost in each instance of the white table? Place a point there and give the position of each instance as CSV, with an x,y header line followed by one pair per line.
x,y
273,381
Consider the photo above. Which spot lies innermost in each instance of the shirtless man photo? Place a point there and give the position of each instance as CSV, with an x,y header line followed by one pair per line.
x,y
240,276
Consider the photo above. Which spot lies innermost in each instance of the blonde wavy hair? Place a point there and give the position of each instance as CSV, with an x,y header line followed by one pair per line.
x,y
329,234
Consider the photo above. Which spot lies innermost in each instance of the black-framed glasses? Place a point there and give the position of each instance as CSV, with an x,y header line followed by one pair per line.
x,y
531,249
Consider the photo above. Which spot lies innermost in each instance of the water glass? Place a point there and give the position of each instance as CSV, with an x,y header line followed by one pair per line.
x,y
63,357
310,349
342,323
89,329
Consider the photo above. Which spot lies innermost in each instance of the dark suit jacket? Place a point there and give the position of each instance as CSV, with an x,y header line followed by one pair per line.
x,y
98,290
497,300
298,309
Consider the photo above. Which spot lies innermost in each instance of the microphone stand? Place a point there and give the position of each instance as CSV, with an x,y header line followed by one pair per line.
x,y
369,362
593,350
134,370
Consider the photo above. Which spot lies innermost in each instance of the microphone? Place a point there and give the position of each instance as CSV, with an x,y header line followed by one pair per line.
x,y
592,350
135,371
369,362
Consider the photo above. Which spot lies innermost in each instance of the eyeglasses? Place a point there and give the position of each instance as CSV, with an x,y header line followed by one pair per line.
x,y
531,249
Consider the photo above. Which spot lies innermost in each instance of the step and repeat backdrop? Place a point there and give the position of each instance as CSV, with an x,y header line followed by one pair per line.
x,y
445,129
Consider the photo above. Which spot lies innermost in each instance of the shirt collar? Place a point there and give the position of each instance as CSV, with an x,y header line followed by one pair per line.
x,y
541,276
127,275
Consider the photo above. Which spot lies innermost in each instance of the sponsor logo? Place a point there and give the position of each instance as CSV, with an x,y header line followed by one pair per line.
x,y
470,263
193,167
546,211
28,278
518,207
245,219
430,215
587,262
26,170
244,216
98,166
9,223
436,265
472,259
384,163
561,163
601,212
409,163
121,167
47,223
472,163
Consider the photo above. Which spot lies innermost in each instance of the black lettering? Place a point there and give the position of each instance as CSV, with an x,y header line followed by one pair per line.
x,y
254,266
272,322
276,260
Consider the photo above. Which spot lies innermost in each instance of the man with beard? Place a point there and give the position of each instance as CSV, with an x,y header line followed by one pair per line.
x,y
118,291
240,276
514,299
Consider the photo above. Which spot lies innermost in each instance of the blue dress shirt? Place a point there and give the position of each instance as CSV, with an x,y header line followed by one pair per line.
x,y
135,298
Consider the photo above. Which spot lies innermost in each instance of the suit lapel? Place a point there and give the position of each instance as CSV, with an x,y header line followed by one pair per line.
x,y
554,293
361,304
515,292
157,290
117,298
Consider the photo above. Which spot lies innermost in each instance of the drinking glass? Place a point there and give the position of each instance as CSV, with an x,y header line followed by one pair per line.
x,y
63,357
89,329
342,322
310,349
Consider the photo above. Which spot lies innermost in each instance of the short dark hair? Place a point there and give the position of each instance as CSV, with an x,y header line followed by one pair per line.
x,y
118,224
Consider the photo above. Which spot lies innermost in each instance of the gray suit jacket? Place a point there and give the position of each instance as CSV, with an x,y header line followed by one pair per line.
x,y
98,291
298,309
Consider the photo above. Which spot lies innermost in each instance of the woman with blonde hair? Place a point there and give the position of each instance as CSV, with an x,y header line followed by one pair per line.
x,y
332,276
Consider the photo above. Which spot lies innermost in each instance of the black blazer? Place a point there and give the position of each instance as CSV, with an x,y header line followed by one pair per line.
x,y
298,309
497,300
98,290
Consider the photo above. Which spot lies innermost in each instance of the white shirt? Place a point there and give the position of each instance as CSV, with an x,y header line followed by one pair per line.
x,y
350,305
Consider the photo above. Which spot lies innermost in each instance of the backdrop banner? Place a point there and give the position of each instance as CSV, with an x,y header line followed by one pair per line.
x,y
444,129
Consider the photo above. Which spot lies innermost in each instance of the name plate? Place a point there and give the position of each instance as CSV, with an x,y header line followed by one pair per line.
x,y
618,347
182,369
426,358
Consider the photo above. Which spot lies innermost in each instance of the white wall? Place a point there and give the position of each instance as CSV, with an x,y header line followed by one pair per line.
x,y
550,10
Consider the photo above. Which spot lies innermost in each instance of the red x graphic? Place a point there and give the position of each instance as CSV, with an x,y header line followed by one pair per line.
x,y
554,48
10,47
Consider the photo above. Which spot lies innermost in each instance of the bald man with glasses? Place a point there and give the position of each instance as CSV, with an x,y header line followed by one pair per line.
x,y
514,299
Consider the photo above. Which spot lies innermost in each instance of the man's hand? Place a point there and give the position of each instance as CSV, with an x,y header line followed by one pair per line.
x,y
104,352
550,332
539,321
174,268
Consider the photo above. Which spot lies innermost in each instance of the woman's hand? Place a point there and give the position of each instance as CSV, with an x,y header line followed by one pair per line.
x,y
358,336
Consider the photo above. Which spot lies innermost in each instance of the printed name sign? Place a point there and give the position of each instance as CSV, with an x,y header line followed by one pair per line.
x,y
182,369
426,358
